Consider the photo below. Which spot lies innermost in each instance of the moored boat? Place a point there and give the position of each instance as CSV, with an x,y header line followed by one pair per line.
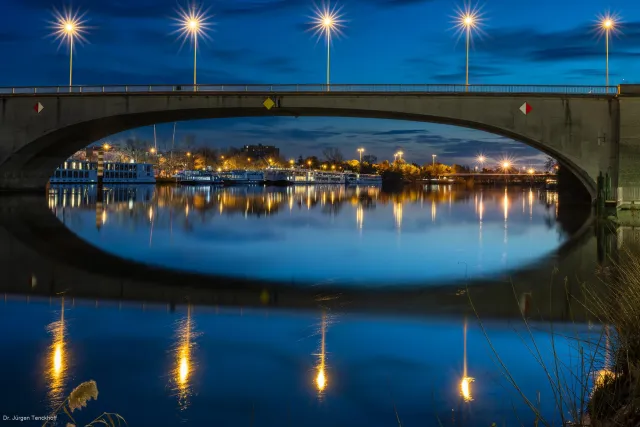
x,y
197,177
82,171
240,176
329,178
278,177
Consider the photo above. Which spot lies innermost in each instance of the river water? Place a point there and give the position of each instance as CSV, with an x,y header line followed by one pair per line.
x,y
162,359
318,235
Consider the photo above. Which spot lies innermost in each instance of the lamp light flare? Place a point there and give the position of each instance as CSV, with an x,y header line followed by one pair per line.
x,y
192,22
608,22
69,26
327,20
468,18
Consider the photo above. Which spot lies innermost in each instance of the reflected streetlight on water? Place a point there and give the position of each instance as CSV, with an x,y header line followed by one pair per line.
x,y
184,367
397,214
465,382
321,376
57,364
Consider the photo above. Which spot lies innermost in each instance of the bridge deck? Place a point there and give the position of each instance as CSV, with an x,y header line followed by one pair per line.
x,y
352,89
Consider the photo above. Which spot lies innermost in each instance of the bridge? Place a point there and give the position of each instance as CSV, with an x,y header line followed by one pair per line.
x,y
588,129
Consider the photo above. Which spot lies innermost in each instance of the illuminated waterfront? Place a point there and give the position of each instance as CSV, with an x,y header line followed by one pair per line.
x,y
320,234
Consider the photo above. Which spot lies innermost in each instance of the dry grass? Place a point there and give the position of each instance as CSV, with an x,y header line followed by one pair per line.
x,y
616,398
77,400
603,388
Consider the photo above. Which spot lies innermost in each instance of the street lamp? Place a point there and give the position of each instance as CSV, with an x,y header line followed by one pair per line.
x,y
400,153
467,20
433,157
360,150
325,21
69,26
192,23
106,146
607,25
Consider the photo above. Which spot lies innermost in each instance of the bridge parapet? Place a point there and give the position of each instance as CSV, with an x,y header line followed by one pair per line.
x,y
351,88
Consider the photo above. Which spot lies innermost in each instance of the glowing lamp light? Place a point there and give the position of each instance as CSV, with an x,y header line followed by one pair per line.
x,y
506,165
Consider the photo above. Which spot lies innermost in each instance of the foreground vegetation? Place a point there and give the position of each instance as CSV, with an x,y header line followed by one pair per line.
x,y
77,400
603,388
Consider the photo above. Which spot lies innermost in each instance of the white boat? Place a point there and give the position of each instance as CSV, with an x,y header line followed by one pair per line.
x,y
329,178
278,176
240,176
369,179
353,178
81,171
197,177
303,177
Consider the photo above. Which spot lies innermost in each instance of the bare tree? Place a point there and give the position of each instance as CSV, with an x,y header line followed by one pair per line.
x,y
550,164
333,155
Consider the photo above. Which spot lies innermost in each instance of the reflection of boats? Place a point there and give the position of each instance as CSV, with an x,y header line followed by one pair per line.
x,y
550,183
197,177
79,171
362,179
329,178
240,176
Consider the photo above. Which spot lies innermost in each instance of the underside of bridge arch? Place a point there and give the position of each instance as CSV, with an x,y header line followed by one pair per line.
x,y
31,166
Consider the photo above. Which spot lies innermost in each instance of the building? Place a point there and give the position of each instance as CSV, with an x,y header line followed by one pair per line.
x,y
261,151
369,158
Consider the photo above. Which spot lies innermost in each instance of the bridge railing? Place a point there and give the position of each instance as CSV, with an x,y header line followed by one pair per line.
x,y
286,88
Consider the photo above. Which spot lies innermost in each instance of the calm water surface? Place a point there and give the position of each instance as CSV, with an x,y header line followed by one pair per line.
x,y
199,366
316,235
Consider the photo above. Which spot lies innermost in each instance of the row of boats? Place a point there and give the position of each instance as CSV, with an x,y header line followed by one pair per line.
x,y
276,177
81,171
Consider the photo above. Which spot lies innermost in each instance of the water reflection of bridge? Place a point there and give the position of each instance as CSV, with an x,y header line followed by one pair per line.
x,y
40,256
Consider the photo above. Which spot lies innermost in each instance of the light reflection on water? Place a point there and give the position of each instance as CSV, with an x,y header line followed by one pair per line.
x,y
261,359
57,365
319,233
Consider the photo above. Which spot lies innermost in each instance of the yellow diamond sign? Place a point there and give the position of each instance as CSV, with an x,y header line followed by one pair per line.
x,y
268,103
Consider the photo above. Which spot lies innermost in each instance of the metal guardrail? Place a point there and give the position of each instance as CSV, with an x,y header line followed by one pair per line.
x,y
292,88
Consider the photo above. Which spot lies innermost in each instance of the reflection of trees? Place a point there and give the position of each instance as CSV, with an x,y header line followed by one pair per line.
x,y
186,206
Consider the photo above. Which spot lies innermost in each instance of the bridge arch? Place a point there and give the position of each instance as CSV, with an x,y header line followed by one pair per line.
x,y
568,129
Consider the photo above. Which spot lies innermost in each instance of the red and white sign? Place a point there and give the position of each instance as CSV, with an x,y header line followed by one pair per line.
x,y
38,108
526,108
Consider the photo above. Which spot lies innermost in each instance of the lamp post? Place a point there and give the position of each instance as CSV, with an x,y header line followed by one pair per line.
x,y
192,24
467,20
433,164
69,26
481,159
505,166
400,153
360,150
607,24
325,21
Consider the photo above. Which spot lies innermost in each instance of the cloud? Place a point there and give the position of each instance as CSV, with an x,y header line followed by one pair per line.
x,y
582,42
399,3
474,70
400,132
260,7
113,9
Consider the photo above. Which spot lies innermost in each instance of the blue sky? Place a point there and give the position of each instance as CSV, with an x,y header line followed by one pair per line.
x,y
385,41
